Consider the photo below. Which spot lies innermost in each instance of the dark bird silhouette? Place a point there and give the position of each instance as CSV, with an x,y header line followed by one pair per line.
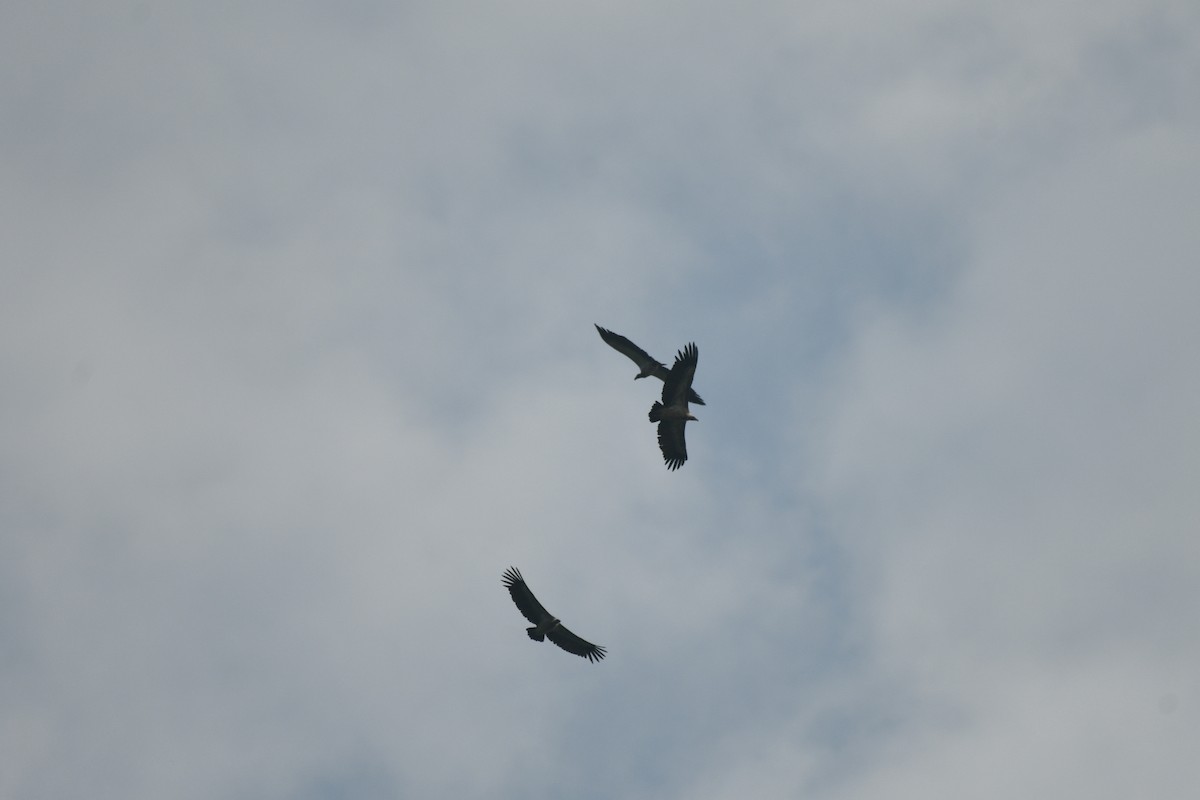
x,y
672,413
647,365
545,624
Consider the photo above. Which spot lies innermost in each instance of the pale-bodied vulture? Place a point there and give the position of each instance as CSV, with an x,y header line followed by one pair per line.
x,y
545,625
647,365
672,413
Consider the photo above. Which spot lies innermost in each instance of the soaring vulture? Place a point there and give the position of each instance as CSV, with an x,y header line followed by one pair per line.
x,y
545,625
672,413
646,363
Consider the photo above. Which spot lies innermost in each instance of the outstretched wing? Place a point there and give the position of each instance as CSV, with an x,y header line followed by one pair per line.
x,y
573,644
646,362
529,606
671,442
622,345
678,385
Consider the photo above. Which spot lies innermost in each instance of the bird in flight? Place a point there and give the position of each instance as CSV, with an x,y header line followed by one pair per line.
x,y
672,414
647,365
545,624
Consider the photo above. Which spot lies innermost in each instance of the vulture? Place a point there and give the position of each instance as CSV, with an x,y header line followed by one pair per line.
x,y
672,413
545,625
646,363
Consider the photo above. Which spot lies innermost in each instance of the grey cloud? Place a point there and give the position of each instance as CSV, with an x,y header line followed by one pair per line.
x,y
297,356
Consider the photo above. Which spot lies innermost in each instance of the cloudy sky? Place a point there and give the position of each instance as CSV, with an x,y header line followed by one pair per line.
x,y
297,356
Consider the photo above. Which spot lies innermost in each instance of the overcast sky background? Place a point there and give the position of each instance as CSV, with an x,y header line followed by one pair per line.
x,y
296,356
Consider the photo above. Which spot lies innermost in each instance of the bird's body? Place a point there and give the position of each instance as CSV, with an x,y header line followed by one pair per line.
x,y
538,632
647,364
672,414
545,624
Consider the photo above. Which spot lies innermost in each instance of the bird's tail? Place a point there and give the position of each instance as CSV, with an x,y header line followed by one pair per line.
x,y
656,411
533,634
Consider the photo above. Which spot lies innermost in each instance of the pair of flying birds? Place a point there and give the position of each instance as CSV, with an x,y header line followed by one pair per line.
x,y
672,415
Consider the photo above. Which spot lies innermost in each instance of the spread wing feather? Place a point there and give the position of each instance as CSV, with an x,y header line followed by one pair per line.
x,y
679,381
528,605
622,345
672,443
573,644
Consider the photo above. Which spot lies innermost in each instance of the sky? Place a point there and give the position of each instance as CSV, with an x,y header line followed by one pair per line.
x,y
297,356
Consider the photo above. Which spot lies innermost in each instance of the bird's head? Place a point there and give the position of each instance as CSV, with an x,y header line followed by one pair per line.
x,y
692,417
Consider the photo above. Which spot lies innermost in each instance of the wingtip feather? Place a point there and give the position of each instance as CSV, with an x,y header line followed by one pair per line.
x,y
512,576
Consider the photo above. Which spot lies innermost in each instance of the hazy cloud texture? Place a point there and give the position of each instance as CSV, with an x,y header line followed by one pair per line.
x,y
296,356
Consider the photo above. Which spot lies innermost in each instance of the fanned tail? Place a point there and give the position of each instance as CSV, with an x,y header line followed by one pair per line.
x,y
656,411
533,634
